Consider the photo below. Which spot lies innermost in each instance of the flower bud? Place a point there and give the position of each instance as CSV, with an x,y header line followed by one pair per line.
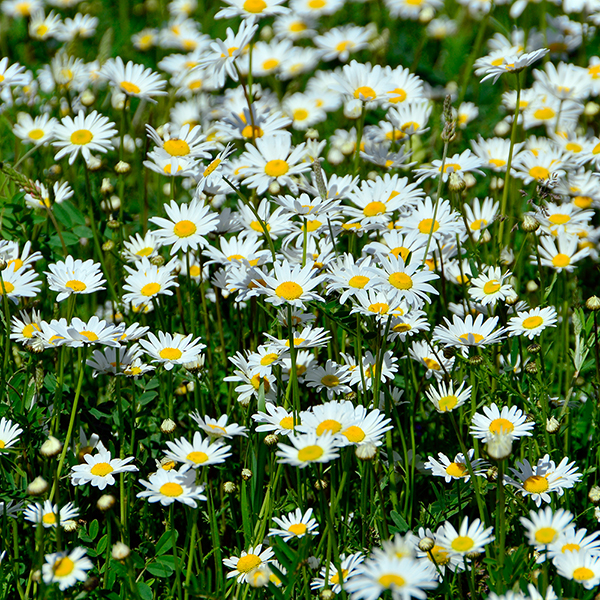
x,y
366,451
271,439
426,544
534,348
593,303
259,577
552,425
106,502
168,426
326,595
594,495
113,224
246,474
51,447
106,187
274,188
37,487
532,286
3,264
353,109
456,183
157,261
229,487
94,163
87,98
108,246
485,237
499,446
70,526
122,167
531,368
335,157
321,484
120,551
502,128
530,224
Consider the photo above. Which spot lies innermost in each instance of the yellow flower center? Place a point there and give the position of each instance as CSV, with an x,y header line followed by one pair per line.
x,y
170,353
374,208
477,337
329,425
197,457
147,251
150,289
381,308
431,364
297,27
570,548
491,287
561,260
276,168
171,489
256,381
49,518
176,147
440,556
539,173
250,561
358,281
63,567
29,329
310,453
330,381
289,290
343,46
402,327
300,114
582,201
297,528
425,226
544,114
536,484
76,285
400,95
287,423
401,281
268,359
335,578
478,224
210,169
101,469
582,574
545,535
456,470
366,92
497,162
184,229
354,434
312,225
90,335
463,543
391,580
447,403
247,131
270,64
559,219
8,287
316,4
501,425
532,322
36,134
454,166
130,88
81,137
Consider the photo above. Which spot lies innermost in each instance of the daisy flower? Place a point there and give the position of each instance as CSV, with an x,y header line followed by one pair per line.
x,y
188,144
171,350
292,286
404,577
580,566
544,478
132,79
510,420
276,420
308,448
247,562
532,322
252,9
251,381
369,427
139,247
456,469
539,166
85,134
147,281
94,331
22,283
273,159
362,82
309,337
23,329
99,470
445,398
38,130
200,453
339,42
379,304
438,555
187,226
491,287
466,162
46,513
421,220
480,215
432,357
570,540
105,362
500,63
333,417
544,527
468,540
66,568
74,276
218,429
295,525
9,433
167,487
13,75
333,378
348,567
468,332
560,252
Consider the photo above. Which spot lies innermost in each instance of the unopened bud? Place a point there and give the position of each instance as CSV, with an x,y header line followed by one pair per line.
x,y
274,188
485,237
229,487
366,451
530,224
3,264
106,502
426,544
591,109
321,484
531,368
552,425
426,14
534,348
108,246
94,163
113,224
532,286
353,109
87,98
311,134
70,526
593,303
120,551
594,495
271,439
157,260
37,487
106,187
511,299
502,128
122,167
492,474
456,183
475,360
36,576
168,426
246,474
326,595
499,446
51,447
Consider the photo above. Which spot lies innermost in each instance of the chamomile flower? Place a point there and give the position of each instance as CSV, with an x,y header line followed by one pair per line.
x,y
292,286
22,283
133,80
446,398
498,63
147,281
79,333
468,332
74,276
66,568
24,328
48,514
560,252
432,357
169,486
218,429
370,426
411,323
571,540
546,477
139,247
491,287
438,555
580,566
471,538
339,42
545,526
38,130
99,470
338,579
480,215
456,469
85,134
532,322
509,420
187,225
14,74
171,350
199,453
295,525
308,448
333,417
363,82
333,378
277,420
247,562
9,433
379,304
466,162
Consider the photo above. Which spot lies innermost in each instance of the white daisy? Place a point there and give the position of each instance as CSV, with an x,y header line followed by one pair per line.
x,y
66,568
200,453
295,525
99,470
171,350
509,420
169,486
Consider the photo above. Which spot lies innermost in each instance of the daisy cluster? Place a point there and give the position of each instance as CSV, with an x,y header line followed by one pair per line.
x,y
324,311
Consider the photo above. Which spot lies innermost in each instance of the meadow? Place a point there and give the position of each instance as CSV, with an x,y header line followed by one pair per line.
x,y
298,299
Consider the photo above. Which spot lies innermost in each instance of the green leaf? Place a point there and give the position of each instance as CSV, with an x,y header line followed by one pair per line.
x,y
74,213
94,529
82,231
144,590
62,216
165,543
160,569
101,547
399,521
